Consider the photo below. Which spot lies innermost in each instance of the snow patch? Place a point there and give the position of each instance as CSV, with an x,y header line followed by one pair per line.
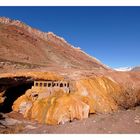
x,y
124,69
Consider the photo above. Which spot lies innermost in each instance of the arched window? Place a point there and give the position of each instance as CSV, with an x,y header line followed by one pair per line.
x,y
49,84
35,95
36,84
61,84
54,84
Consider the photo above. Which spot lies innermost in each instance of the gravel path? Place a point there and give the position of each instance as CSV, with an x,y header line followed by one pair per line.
x,y
123,121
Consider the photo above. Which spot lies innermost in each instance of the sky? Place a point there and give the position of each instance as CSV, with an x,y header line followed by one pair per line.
x,y
111,34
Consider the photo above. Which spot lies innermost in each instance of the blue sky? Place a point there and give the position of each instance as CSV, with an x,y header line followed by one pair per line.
x,y
111,34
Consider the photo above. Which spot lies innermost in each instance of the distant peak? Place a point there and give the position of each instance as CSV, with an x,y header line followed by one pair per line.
x,y
124,69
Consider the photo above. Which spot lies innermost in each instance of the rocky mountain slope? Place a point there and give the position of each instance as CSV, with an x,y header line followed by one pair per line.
x,y
24,46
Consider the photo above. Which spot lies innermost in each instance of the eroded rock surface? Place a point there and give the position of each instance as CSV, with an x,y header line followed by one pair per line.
x,y
98,94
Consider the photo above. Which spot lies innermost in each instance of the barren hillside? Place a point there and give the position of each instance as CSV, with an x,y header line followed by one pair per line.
x,y
136,68
22,45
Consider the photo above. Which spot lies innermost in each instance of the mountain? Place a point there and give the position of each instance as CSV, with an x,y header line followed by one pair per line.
x,y
137,68
24,46
38,56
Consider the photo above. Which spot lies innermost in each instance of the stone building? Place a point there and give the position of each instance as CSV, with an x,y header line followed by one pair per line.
x,y
52,86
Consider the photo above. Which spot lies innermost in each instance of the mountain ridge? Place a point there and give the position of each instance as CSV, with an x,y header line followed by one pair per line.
x,y
23,43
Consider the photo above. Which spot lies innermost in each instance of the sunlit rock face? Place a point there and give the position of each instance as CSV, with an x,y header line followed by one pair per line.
x,y
102,93
86,95
90,95
58,108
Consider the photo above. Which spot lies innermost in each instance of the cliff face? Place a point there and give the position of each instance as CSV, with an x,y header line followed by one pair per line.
x,y
88,96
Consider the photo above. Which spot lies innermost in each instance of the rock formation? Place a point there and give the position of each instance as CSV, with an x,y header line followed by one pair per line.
x,y
28,55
